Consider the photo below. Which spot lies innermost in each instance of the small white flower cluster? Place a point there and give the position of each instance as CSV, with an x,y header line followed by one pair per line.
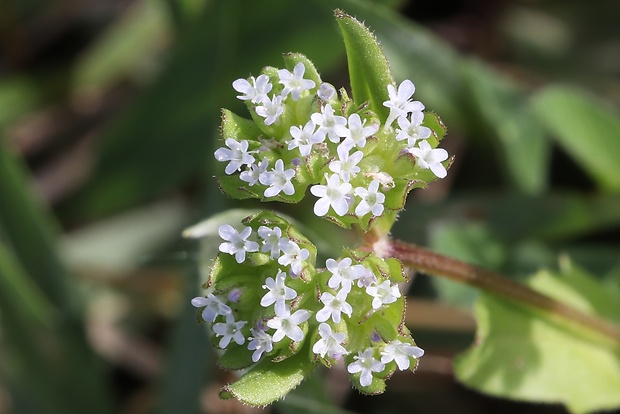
x,y
283,316
288,254
396,350
341,141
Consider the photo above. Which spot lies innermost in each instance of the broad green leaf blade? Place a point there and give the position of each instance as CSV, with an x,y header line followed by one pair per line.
x,y
125,50
528,355
369,70
270,381
520,139
587,129
30,231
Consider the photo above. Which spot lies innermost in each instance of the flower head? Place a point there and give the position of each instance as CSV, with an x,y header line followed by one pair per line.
x,y
411,129
255,90
270,109
229,330
372,200
365,363
271,240
260,342
401,352
236,154
304,138
346,165
292,255
287,325
278,292
330,343
327,92
334,306
236,243
383,294
334,194
429,158
294,83
356,134
213,307
400,103
330,124
252,175
343,273
278,180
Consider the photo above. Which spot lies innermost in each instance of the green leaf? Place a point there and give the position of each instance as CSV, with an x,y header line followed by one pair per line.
x,y
520,139
369,70
270,381
586,128
525,354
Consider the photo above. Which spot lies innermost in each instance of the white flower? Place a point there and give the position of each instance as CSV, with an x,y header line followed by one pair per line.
x,y
355,135
252,175
366,364
286,324
334,306
335,194
278,180
294,83
327,92
412,130
383,294
329,344
270,109
260,342
400,103
292,255
329,124
213,307
429,158
343,273
237,154
367,278
278,293
236,243
271,240
229,330
255,90
372,200
305,138
346,165
401,352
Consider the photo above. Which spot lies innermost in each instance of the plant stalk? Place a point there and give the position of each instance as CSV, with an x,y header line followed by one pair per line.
x,y
436,264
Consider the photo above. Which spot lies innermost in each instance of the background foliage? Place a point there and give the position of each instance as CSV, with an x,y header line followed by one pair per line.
x,y
108,119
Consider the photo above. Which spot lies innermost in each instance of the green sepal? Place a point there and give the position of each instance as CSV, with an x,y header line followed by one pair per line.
x,y
389,319
432,121
269,381
235,357
239,128
369,70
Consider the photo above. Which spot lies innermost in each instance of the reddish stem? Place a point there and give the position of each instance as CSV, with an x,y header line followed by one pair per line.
x,y
432,263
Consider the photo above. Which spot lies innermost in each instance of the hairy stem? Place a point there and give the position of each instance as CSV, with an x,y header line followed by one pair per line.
x,y
427,261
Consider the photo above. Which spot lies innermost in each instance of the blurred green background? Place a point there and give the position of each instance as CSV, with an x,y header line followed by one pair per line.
x,y
109,115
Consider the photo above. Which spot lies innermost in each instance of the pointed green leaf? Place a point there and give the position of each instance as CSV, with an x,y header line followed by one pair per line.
x,y
586,128
270,381
526,355
369,69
